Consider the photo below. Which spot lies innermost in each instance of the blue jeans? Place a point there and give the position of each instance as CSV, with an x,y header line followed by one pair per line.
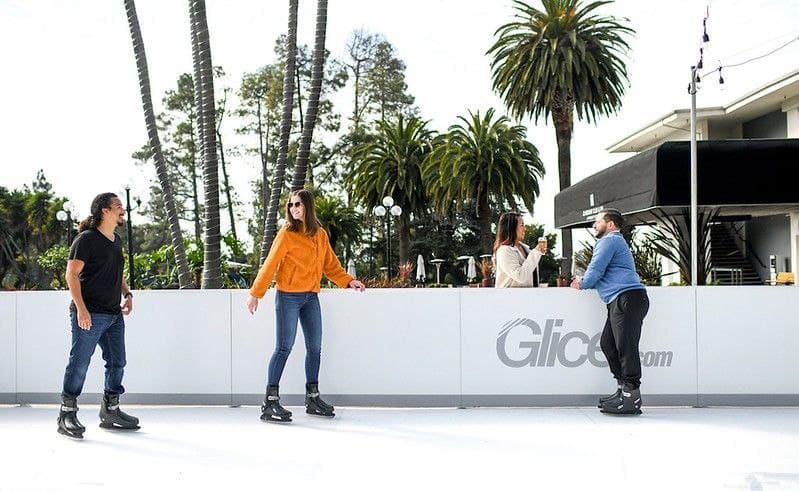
x,y
290,307
108,330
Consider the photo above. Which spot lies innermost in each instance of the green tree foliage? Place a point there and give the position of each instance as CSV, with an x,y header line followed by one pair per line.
x,y
558,60
481,161
29,228
391,166
54,261
343,224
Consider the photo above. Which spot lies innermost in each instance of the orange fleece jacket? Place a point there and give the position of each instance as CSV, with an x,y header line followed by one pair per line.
x,y
299,261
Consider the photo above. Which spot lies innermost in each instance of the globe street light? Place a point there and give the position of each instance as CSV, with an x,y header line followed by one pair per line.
x,y
65,215
377,211
388,210
380,211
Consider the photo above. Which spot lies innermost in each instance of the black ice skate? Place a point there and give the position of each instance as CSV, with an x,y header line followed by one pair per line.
x,y
314,404
272,411
68,423
629,402
606,398
112,418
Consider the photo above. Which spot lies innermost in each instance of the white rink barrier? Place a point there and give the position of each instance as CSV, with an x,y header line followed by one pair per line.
x,y
422,347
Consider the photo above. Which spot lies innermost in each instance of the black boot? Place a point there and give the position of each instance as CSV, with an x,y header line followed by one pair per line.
x,y
629,402
314,404
606,398
68,423
111,417
272,411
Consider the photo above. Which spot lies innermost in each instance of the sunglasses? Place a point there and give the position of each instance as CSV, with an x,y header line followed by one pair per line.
x,y
294,204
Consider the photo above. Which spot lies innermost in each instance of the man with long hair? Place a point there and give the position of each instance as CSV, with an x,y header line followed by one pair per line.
x,y
97,286
612,272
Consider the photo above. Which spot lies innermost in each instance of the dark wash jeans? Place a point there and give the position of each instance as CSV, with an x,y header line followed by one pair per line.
x,y
622,333
108,330
289,308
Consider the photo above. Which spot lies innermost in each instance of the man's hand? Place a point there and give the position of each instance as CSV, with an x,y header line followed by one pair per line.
x,y
127,305
252,304
84,319
576,282
357,285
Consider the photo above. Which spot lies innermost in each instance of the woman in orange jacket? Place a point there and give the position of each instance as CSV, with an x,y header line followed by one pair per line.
x,y
300,254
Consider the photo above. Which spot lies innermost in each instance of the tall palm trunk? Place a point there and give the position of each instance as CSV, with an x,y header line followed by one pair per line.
x,y
196,136
301,166
225,180
184,276
484,221
404,233
563,119
270,225
265,189
204,85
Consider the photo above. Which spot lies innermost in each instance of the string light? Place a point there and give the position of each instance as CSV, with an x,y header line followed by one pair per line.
x,y
706,39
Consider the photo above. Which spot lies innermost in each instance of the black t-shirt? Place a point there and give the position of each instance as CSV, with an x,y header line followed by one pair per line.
x,y
101,277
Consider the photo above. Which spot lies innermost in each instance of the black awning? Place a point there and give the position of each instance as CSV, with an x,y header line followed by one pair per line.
x,y
736,173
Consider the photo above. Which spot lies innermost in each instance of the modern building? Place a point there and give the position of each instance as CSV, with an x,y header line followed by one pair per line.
x,y
748,171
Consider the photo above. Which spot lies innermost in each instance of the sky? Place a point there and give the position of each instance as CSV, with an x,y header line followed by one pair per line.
x,y
71,103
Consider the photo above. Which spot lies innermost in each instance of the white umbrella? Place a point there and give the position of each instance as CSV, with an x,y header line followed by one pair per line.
x,y
351,268
421,274
471,273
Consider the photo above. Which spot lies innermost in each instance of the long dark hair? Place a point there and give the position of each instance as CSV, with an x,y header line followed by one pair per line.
x,y
506,229
102,200
311,222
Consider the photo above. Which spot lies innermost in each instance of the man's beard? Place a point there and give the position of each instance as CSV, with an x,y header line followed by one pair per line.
x,y
599,234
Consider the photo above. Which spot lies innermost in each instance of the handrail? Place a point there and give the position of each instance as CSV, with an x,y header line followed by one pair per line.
x,y
750,248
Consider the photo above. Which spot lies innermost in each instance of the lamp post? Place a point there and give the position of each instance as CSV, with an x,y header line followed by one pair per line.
x,y
380,211
65,215
694,194
129,209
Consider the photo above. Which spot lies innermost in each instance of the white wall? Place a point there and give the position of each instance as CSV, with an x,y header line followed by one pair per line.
x,y
421,347
379,343
8,347
748,340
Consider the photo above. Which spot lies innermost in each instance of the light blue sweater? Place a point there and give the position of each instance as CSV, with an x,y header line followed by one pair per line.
x,y
612,268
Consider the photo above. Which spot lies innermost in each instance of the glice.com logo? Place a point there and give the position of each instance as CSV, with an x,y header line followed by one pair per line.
x,y
544,349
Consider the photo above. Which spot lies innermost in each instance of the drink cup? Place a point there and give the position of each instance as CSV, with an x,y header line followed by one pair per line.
x,y
542,244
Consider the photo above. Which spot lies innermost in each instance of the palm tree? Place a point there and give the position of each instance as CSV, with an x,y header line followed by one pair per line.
x,y
484,161
270,225
184,276
301,165
343,223
391,166
206,116
671,238
555,61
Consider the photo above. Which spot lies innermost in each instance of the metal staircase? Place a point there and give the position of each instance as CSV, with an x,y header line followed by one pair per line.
x,y
729,265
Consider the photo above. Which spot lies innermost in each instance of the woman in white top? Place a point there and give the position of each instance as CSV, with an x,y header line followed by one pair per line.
x,y
515,264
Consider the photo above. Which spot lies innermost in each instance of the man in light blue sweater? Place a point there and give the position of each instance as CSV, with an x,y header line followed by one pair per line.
x,y
612,273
